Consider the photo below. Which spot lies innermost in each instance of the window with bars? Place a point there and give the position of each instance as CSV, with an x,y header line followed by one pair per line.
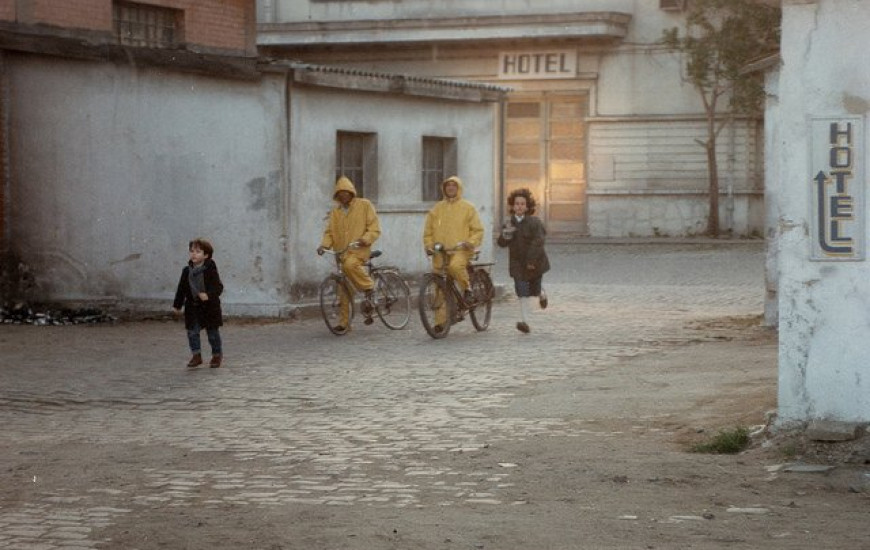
x,y
146,26
672,5
439,163
356,158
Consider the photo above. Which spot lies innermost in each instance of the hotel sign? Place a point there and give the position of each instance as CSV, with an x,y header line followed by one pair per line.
x,y
836,181
537,64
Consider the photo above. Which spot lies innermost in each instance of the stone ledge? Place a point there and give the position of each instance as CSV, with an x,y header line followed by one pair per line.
x,y
832,430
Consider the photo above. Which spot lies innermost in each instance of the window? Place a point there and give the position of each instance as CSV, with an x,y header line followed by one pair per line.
x,y
356,159
672,5
439,163
146,26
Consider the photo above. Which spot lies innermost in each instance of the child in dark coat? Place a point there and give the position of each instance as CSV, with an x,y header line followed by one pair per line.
x,y
523,235
199,291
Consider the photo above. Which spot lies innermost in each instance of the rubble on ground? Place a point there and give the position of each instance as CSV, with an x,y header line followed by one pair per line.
x,y
25,314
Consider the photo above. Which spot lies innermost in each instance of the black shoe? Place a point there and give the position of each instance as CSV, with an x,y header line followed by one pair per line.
x,y
542,299
340,328
523,327
438,329
368,304
368,321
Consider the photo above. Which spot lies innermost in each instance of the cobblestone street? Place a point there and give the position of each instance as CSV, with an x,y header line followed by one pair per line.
x,y
382,439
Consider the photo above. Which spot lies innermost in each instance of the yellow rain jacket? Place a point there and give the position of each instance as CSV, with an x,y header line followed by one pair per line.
x,y
359,221
452,221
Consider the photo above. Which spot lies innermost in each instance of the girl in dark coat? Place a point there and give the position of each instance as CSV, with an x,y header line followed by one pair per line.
x,y
199,291
523,234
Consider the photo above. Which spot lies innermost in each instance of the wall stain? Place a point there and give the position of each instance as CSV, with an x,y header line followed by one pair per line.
x,y
855,105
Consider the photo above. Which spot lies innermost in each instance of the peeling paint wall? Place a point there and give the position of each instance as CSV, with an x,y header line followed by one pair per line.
x,y
824,307
400,124
114,169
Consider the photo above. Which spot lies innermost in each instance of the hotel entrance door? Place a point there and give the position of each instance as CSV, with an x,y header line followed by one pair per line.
x,y
545,150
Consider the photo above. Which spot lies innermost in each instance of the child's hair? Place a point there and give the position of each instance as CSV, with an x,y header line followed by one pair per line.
x,y
526,194
203,245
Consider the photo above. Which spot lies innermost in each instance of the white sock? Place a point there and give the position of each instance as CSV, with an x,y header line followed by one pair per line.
x,y
524,309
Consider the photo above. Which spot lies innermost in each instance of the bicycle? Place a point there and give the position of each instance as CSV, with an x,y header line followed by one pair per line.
x,y
390,299
442,304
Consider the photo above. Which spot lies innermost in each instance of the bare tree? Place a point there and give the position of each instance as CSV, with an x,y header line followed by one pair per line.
x,y
720,38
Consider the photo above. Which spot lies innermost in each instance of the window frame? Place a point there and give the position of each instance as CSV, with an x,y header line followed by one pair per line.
x,y
356,157
147,25
431,175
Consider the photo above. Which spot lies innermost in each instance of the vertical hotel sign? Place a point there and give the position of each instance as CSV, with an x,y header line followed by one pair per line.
x,y
837,183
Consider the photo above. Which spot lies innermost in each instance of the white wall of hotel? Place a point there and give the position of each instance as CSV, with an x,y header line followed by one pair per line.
x,y
114,169
646,173
824,306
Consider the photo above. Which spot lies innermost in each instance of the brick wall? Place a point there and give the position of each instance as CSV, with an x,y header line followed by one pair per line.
x,y
69,14
217,25
7,10
224,24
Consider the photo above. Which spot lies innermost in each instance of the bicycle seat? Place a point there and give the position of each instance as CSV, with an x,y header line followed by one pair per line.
x,y
375,253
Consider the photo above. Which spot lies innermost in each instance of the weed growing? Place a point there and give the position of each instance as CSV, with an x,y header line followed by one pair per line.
x,y
725,442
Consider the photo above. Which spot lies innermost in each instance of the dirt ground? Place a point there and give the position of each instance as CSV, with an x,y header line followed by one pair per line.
x,y
624,479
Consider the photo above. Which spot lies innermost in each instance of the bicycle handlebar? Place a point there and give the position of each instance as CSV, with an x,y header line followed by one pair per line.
x,y
461,245
352,246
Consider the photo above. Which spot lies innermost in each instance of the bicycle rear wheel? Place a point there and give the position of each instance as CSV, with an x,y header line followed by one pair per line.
x,y
334,295
484,291
392,299
436,306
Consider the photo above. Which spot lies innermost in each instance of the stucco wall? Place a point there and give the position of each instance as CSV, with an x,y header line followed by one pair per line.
x,y
824,307
114,169
277,11
400,123
643,119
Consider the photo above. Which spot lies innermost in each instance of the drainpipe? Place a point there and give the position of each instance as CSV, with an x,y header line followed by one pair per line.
x,y
5,186
500,212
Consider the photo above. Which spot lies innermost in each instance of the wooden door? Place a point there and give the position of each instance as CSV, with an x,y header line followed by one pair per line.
x,y
545,150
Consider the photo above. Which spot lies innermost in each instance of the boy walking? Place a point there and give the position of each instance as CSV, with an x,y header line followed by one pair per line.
x,y
199,291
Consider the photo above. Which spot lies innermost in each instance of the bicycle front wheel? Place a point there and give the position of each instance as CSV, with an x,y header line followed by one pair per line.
x,y
436,306
336,305
484,291
392,299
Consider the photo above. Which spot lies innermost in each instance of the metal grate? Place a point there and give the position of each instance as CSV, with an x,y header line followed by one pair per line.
x,y
356,158
146,26
672,5
439,162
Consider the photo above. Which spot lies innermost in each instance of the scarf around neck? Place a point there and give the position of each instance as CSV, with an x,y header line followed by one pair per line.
x,y
196,278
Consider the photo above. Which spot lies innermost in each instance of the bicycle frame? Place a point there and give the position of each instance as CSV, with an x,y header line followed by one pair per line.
x,y
438,313
450,283
388,298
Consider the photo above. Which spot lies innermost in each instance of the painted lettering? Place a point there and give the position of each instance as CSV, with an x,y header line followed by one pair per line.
x,y
537,64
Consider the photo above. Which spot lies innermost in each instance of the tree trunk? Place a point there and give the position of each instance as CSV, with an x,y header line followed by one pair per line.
x,y
713,176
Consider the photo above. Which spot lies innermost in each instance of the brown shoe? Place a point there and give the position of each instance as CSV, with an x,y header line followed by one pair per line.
x,y
215,361
195,360
523,327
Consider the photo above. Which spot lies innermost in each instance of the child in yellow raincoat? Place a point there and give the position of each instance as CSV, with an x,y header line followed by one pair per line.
x,y
353,226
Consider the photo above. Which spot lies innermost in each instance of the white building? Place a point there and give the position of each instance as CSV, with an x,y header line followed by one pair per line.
x,y
819,102
599,123
115,167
